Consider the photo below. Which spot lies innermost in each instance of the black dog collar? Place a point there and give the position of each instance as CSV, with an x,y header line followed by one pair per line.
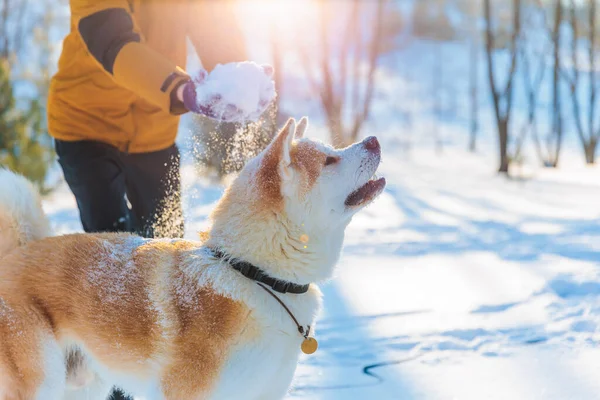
x,y
252,272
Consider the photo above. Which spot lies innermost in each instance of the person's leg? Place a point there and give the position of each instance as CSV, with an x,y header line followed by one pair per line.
x,y
154,190
95,176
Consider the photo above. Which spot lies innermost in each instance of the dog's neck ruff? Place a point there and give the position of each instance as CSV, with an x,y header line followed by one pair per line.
x,y
251,271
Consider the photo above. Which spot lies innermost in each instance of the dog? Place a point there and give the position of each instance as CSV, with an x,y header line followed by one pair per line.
x,y
177,319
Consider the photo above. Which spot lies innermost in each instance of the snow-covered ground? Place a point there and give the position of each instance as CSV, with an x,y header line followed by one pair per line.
x,y
455,284
458,284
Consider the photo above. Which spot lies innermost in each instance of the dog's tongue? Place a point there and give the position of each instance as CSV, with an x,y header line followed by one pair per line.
x,y
365,193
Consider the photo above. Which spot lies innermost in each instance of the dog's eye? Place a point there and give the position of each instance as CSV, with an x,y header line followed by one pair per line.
x,y
331,160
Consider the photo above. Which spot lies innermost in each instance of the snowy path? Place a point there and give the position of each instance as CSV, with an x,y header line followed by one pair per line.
x,y
456,284
469,286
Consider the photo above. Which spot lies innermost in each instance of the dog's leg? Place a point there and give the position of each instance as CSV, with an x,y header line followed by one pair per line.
x,y
32,365
54,371
83,382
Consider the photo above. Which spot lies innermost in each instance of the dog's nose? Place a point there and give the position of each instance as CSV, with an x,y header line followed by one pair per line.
x,y
372,144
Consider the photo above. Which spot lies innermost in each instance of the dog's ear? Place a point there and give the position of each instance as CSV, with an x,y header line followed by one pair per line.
x,y
301,128
275,169
283,142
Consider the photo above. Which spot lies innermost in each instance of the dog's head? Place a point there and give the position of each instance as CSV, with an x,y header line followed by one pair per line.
x,y
287,210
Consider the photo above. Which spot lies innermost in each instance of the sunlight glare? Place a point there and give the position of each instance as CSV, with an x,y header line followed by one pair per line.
x,y
279,14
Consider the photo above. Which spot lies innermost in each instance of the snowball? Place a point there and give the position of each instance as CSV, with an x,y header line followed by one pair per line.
x,y
245,85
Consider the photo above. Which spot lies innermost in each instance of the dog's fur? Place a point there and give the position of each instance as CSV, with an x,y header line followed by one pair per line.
x,y
164,319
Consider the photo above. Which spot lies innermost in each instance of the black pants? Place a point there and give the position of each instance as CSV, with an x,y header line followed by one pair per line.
x,y
104,180
122,192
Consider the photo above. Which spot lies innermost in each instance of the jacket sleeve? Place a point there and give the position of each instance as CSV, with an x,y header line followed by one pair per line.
x,y
215,32
112,38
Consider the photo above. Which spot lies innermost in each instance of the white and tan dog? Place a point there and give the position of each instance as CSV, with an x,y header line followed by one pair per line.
x,y
167,319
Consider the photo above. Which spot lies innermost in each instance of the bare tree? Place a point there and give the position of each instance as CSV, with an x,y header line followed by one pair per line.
x,y
502,97
474,92
437,92
554,140
532,54
345,71
432,22
276,56
588,131
549,147
471,12
17,20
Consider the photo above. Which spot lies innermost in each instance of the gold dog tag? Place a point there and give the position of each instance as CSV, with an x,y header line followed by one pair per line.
x,y
309,345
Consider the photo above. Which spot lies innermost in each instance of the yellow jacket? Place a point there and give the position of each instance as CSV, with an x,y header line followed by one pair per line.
x,y
120,65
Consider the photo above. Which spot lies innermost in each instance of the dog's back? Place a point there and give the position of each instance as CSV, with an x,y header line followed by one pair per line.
x,y
22,219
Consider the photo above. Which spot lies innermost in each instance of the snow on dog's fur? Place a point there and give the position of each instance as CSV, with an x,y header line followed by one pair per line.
x,y
165,319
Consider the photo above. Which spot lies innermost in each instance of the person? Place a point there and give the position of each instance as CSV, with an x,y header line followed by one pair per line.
x,y
115,102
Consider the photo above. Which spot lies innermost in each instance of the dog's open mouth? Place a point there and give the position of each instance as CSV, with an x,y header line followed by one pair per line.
x,y
366,193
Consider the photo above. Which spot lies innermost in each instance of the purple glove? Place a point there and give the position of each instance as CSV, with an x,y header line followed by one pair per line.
x,y
190,99
234,92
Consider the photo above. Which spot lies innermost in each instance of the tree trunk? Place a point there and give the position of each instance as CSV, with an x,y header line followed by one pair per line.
x,y
374,51
504,95
592,71
557,122
277,78
503,138
590,151
342,78
474,63
438,79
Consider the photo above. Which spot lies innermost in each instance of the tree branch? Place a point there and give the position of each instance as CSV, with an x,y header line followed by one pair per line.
x,y
575,82
351,28
508,92
489,55
373,57
592,72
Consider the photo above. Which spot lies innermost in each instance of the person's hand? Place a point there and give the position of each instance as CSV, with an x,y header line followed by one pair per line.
x,y
202,98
